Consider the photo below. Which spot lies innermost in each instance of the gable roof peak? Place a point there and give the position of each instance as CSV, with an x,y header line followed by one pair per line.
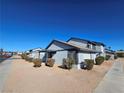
x,y
89,41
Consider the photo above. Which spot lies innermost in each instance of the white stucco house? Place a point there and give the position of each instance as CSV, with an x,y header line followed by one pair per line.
x,y
36,53
77,49
111,53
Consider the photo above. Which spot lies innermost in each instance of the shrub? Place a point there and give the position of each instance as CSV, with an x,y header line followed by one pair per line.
x,y
120,54
30,59
107,57
67,63
50,62
27,58
90,64
99,60
24,56
115,56
83,65
37,62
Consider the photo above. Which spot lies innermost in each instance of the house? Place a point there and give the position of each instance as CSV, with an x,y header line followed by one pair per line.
x,y
111,53
1,52
36,53
93,45
120,53
75,48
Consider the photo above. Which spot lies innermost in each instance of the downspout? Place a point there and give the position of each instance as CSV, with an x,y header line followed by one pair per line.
x,y
39,54
90,56
46,56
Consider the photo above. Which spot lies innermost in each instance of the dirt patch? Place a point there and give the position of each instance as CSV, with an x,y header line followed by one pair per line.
x,y
24,78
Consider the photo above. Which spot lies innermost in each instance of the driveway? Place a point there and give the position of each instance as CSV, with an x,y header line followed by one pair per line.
x,y
4,70
113,82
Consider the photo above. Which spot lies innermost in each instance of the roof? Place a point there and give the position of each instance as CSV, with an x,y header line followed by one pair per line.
x,y
30,50
73,46
74,38
119,51
89,41
109,51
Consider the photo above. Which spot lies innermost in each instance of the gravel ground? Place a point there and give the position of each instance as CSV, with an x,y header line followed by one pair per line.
x,y
4,71
24,78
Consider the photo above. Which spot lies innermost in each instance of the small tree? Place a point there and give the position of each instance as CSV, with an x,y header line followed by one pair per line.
x,y
107,57
68,63
115,56
90,64
50,62
24,56
120,55
37,62
99,60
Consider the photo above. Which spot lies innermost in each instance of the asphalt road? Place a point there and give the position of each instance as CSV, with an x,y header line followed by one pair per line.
x,y
113,81
4,71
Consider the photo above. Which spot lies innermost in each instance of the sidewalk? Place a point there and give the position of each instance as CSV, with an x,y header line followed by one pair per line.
x,y
113,82
4,70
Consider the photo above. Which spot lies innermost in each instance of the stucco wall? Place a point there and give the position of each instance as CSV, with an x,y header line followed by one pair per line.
x,y
58,46
59,57
83,56
36,54
42,55
82,44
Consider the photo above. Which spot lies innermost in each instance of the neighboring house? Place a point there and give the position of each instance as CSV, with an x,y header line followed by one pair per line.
x,y
111,53
1,52
36,53
120,53
72,50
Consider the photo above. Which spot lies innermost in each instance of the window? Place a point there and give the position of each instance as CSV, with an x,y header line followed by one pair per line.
x,y
88,45
94,47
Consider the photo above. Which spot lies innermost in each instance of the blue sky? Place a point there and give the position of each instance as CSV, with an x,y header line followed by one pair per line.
x,y
27,24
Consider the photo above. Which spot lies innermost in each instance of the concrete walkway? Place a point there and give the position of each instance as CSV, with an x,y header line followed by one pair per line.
x,y
113,82
4,70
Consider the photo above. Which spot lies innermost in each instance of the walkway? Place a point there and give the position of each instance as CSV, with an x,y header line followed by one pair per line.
x,y
4,70
113,82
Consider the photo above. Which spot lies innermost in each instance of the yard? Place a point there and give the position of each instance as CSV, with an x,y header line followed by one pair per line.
x,y
24,78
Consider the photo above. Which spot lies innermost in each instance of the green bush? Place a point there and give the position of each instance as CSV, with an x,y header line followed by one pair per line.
x,y
50,62
107,57
99,60
90,64
37,62
68,63
120,54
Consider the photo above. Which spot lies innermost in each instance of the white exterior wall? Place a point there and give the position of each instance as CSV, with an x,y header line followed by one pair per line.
x,y
42,54
103,51
99,48
34,55
82,44
83,56
59,56
58,46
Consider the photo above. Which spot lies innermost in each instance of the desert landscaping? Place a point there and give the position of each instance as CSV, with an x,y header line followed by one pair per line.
x,y
24,78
